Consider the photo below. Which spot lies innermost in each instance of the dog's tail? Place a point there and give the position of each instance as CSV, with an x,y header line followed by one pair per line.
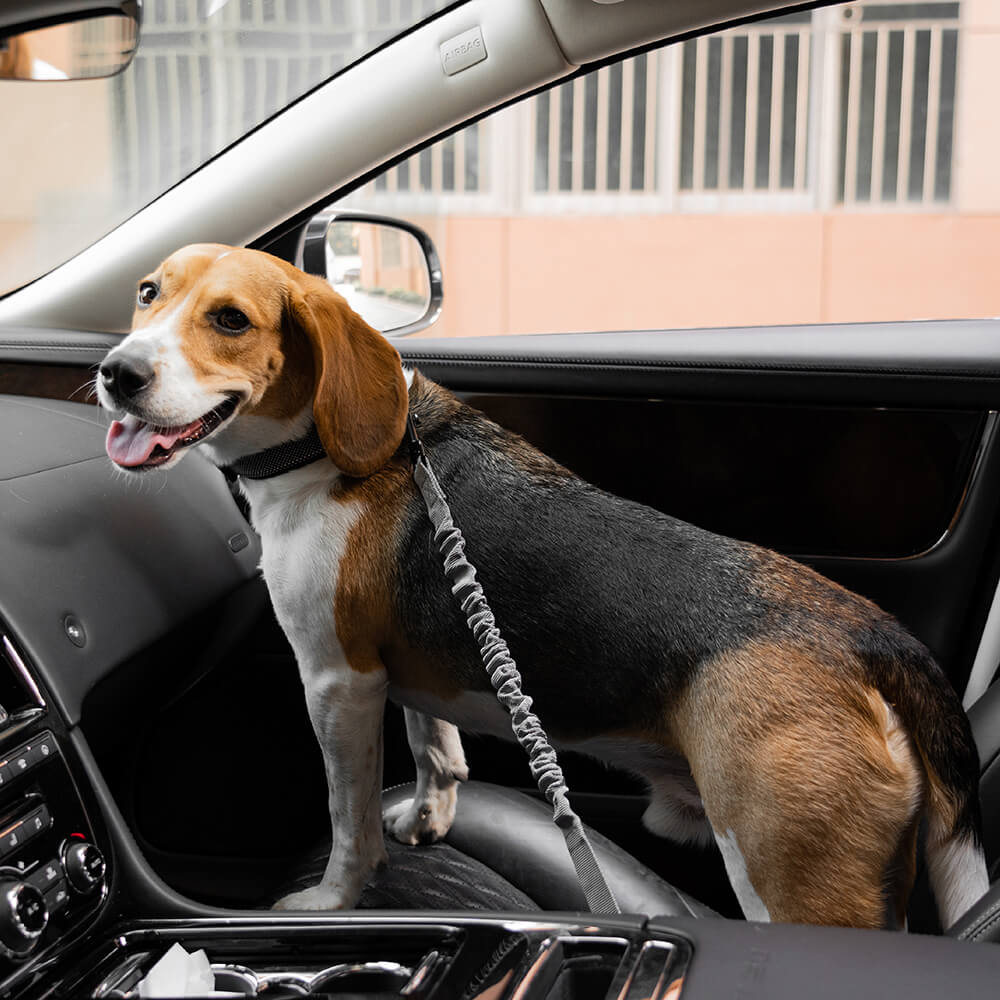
x,y
908,677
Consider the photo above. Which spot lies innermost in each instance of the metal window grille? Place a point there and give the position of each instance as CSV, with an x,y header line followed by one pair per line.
x,y
598,133
745,108
898,68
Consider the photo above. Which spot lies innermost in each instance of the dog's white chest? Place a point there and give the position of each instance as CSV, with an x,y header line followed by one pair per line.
x,y
303,539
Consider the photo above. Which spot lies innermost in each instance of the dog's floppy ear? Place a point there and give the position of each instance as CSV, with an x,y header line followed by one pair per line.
x,y
360,402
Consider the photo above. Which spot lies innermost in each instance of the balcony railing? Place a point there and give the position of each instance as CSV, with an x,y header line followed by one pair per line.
x,y
598,133
898,68
744,121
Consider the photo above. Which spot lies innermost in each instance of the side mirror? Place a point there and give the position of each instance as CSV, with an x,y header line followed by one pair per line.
x,y
387,269
79,46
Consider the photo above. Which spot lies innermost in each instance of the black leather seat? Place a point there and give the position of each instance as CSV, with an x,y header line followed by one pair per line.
x,y
984,717
503,853
982,922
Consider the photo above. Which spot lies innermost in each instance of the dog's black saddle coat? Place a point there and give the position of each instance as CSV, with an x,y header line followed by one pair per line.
x,y
502,853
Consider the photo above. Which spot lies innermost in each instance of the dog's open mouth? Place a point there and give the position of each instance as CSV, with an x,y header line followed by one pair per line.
x,y
134,444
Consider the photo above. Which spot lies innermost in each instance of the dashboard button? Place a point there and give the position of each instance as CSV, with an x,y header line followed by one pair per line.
x,y
57,896
25,757
48,873
15,834
11,838
40,749
37,821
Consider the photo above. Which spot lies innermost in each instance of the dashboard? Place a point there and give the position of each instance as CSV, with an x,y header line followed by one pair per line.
x,y
118,563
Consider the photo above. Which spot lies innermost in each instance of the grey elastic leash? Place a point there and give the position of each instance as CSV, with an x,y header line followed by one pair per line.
x,y
506,680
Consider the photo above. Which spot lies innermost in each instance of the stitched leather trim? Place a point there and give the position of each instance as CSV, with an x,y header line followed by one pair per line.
x,y
28,347
985,923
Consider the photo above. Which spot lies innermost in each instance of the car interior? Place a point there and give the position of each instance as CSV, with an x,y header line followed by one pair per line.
x,y
176,790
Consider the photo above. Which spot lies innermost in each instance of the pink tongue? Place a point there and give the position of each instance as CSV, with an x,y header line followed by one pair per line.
x,y
130,442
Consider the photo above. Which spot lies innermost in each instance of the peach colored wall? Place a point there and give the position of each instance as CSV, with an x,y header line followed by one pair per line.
x,y
977,138
635,273
539,275
912,267
475,263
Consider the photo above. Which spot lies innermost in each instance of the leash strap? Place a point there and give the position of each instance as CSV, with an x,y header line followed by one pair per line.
x,y
506,680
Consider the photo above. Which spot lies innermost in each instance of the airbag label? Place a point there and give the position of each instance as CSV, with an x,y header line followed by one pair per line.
x,y
462,51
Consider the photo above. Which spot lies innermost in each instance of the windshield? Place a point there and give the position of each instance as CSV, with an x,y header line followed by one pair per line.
x,y
80,157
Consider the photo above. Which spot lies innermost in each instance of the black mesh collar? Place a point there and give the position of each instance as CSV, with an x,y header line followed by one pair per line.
x,y
277,460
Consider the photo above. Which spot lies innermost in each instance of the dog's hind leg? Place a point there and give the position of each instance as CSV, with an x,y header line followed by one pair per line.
x,y
437,751
810,783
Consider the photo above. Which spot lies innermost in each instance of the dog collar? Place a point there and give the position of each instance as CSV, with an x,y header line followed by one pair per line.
x,y
271,462
292,455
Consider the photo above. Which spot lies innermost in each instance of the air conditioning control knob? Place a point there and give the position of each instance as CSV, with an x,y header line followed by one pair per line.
x,y
23,915
84,864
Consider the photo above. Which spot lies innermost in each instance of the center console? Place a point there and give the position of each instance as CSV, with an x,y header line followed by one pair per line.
x,y
53,875
548,957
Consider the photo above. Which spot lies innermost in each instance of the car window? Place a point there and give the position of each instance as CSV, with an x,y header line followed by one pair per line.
x,y
80,157
823,166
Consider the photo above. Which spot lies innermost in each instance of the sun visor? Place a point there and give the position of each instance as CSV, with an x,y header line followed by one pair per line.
x,y
591,30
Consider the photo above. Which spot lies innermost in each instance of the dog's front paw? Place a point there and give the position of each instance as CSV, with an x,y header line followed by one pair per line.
x,y
319,897
421,822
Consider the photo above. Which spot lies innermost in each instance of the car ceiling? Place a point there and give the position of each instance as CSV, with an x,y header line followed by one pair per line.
x,y
388,103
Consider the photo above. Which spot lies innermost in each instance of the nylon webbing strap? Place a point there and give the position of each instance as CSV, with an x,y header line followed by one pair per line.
x,y
506,681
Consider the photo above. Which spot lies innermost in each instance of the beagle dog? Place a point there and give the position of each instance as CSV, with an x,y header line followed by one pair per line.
x,y
770,711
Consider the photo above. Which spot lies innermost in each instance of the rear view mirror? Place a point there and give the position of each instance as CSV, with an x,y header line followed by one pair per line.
x,y
85,48
388,270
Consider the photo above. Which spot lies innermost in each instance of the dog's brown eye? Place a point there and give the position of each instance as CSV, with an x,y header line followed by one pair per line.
x,y
147,292
231,320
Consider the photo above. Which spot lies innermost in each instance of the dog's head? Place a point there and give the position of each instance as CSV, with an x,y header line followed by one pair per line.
x,y
239,349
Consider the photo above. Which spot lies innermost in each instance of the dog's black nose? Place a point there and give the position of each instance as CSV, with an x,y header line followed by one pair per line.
x,y
126,379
